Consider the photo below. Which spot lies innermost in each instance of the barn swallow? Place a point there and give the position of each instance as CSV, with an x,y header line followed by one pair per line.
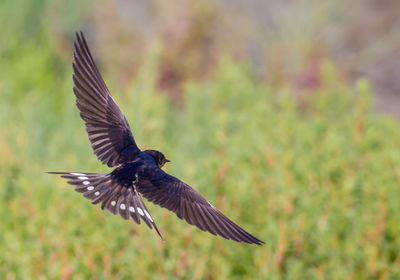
x,y
136,172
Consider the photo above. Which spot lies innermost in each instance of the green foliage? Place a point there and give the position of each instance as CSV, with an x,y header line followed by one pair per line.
x,y
317,180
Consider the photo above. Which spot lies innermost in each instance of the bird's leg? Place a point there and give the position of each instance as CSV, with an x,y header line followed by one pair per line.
x,y
135,181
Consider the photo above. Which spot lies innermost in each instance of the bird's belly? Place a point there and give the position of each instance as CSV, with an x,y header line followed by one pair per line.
x,y
125,175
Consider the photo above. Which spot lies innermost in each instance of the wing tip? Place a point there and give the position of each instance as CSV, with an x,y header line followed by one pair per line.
x,y
79,43
79,34
258,242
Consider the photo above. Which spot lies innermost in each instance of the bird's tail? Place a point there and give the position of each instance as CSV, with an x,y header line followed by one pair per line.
x,y
90,184
100,187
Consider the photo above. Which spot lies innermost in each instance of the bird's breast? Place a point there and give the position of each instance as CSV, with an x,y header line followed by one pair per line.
x,y
126,173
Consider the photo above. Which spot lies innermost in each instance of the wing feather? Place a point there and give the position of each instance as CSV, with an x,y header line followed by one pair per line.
x,y
103,119
169,192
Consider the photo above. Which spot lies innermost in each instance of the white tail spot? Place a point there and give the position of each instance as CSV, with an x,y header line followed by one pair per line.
x,y
140,211
90,188
86,183
148,215
77,174
113,203
132,209
96,193
122,206
83,178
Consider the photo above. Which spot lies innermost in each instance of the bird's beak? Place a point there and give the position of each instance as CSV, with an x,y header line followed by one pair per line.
x,y
167,160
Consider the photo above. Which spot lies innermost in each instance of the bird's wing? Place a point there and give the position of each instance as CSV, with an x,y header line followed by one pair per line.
x,y
115,198
109,132
169,192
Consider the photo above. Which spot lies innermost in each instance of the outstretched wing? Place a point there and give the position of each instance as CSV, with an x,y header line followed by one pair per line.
x,y
115,198
109,132
171,193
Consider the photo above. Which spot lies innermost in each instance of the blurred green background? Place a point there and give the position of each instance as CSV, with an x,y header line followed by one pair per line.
x,y
281,113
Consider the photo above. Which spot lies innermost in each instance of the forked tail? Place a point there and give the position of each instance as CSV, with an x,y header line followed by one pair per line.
x,y
100,187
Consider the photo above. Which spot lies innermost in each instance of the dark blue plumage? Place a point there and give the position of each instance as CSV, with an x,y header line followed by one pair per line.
x,y
135,171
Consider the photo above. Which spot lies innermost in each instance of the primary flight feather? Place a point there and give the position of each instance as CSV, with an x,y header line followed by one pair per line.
x,y
136,172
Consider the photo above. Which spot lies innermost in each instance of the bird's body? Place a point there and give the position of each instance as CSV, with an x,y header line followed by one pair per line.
x,y
144,166
135,172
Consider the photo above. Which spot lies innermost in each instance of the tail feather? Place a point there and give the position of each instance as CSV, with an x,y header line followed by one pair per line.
x,y
117,199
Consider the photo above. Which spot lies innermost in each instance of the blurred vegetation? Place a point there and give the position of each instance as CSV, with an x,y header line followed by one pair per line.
x,y
315,176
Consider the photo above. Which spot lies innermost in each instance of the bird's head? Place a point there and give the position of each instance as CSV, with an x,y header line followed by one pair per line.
x,y
158,157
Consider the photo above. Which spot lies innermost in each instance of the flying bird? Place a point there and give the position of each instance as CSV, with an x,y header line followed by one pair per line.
x,y
136,172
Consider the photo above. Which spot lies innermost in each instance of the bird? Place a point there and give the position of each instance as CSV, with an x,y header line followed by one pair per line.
x,y
136,173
